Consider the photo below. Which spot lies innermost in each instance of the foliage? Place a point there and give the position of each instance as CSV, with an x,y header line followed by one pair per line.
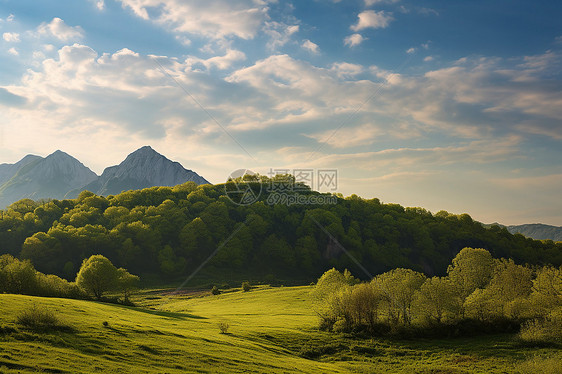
x,y
97,276
246,286
215,290
40,319
170,230
20,277
223,327
543,331
503,295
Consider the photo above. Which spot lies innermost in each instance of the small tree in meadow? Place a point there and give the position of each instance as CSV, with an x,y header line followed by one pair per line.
x,y
98,276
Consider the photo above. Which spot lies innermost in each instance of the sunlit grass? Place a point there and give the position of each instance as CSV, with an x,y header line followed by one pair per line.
x,y
269,330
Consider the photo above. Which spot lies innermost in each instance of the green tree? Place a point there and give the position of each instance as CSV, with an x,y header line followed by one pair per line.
x,y
126,283
97,276
196,241
438,298
471,268
399,287
170,264
18,277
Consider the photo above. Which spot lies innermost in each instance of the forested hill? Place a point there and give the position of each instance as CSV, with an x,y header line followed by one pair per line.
x,y
169,231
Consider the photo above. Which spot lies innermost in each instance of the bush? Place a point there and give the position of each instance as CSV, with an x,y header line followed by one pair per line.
x,y
223,327
541,332
40,319
246,286
215,290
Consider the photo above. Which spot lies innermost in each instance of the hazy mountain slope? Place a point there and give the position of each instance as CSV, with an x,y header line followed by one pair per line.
x,y
7,171
537,231
141,169
49,177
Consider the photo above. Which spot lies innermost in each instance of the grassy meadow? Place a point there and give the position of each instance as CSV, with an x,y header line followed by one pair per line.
x,y
268,330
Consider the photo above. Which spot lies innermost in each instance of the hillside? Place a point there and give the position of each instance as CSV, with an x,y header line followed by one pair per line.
x,y
271,330
169,232
537,231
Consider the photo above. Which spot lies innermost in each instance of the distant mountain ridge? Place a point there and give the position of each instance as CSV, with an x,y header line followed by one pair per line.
x,y
537,231
60,175
141,169
38,178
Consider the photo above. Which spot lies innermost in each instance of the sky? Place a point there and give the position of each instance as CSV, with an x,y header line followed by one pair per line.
x,y
447,105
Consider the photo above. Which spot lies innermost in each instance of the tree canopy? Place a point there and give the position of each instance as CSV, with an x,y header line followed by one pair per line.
x,y
170,231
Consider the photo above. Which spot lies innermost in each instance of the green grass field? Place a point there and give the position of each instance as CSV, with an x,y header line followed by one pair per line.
x,y
270,330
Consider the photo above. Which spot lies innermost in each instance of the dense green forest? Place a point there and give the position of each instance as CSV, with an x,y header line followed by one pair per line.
x,y
169,231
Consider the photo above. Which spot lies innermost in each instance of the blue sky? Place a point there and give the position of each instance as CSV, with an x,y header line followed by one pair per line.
x,y
453,105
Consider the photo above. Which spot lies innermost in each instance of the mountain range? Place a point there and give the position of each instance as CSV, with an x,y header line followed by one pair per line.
x,y
537,231
60,175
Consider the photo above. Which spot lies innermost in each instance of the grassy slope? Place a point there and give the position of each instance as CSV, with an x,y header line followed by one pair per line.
x,y
269,328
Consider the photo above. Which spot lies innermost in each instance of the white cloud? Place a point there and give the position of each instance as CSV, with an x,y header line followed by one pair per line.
x,y
310,46
220,62
13,51
279,33
353,40
346,69
183,40
372,19
11,37
38,55
213,19
428,58
410,50
60,30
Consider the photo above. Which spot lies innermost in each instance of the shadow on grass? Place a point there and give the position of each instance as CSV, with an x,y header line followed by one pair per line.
x,y
161,313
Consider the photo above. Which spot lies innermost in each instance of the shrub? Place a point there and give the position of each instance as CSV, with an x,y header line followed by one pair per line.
x,y
215,290
542,331
246,286
40,319
223,327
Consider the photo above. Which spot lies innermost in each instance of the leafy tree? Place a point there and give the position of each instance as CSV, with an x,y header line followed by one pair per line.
x,y
471,268
97,276
482,305
438,298
170,264
399,287
18,276
126,282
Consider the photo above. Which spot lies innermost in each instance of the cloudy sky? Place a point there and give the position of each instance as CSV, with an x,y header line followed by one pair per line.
x,y
453,105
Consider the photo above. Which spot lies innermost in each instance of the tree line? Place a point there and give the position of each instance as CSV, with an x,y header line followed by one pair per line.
x,y
477,292
96,277
169,231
